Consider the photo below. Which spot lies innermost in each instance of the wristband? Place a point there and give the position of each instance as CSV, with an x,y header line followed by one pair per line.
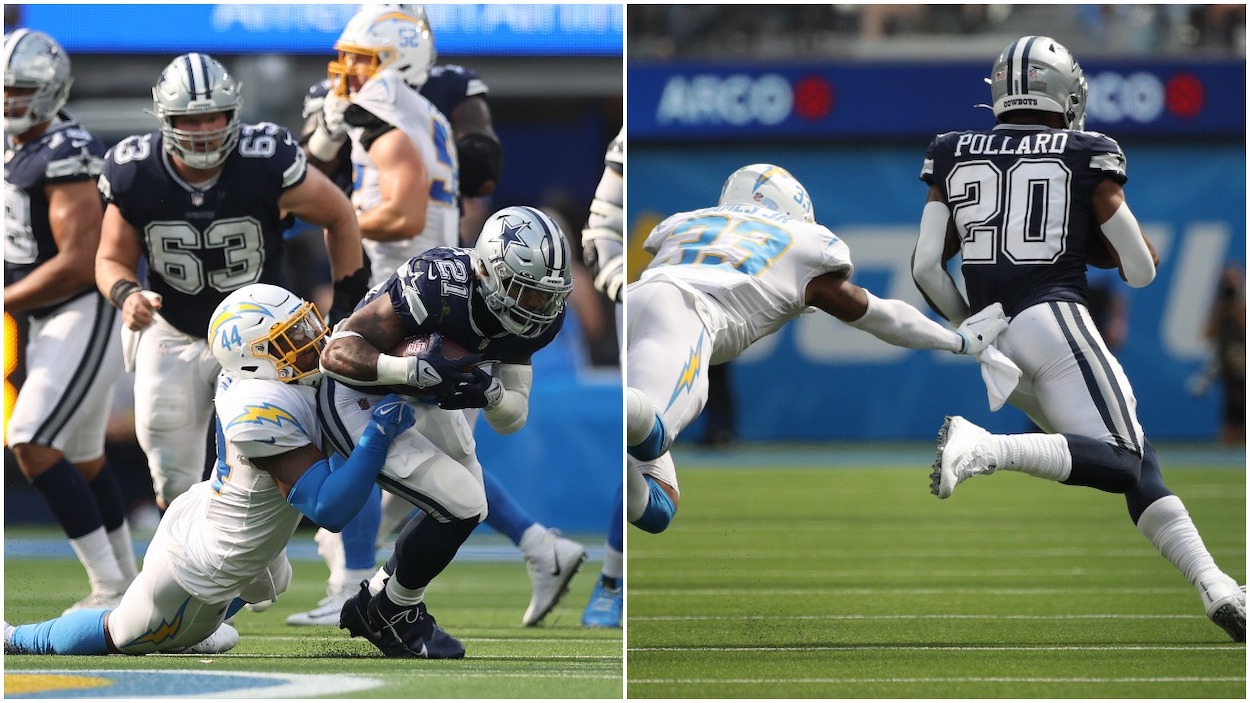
x,y
122,290
392,370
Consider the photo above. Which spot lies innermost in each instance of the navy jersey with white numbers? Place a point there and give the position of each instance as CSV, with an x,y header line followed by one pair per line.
x,y
437,292
1021,199
64,154
202,243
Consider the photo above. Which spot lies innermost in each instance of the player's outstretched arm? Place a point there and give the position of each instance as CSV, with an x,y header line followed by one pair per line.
x,y
332,498
898,323
317,200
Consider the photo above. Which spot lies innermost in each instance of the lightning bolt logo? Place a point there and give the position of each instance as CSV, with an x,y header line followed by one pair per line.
x,y
260,414
235,312
690,370
165,630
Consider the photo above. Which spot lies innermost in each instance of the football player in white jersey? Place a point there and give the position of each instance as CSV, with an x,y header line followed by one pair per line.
x,y
202,200
603,247
73,357
403,150
1069,383
724,277
223,542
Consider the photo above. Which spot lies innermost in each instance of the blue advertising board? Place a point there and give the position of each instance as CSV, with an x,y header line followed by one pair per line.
x,y
241,28
716,101
818,379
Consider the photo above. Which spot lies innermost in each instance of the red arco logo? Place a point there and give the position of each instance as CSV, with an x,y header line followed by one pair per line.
x,y
813,98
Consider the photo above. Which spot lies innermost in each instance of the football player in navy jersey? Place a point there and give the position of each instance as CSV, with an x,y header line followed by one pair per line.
x,y
502,301
52,214
202,200
459,94
1028,204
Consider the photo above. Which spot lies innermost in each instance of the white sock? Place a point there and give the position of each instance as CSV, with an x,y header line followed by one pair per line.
x,y
1041,455
637,493
352,578
96,554
378,581
399,595
531,538
1169,528
124,551
613,563
639,416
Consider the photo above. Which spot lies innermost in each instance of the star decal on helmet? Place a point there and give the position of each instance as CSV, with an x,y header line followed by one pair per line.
x,y
511,235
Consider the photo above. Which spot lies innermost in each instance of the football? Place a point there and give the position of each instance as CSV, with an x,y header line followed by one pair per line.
x,y
415,346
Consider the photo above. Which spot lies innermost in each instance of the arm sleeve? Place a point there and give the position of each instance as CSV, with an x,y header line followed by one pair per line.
x,y
927,269
332,498
1123,232
902,325
512,410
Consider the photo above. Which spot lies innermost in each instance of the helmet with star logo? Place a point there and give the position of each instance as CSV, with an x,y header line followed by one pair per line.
x,y
524,268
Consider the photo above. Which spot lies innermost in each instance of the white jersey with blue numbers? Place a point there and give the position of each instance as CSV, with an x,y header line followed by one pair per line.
x,y
244,521
388,99
754,264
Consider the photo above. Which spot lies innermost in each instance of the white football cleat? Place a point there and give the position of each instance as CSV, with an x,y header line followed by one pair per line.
x,y
223,639
963,452
8,637
1225,603
97,600
551,561
328,608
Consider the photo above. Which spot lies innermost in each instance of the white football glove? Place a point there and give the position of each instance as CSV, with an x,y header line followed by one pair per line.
x,y
332,110
980,330
331,131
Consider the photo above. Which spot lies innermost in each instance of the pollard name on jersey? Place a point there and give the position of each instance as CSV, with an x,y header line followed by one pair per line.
x,y
437,292
202,242
1021,198
64,154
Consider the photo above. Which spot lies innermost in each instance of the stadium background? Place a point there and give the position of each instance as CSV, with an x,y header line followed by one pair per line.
x,y
555,79
848,97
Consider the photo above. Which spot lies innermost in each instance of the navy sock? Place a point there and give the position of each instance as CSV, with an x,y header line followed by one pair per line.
x,y
505,515
1150,486
70,499
108,496
1106,467
426,546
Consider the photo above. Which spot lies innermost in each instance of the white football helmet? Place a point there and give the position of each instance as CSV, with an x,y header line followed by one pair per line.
x,y
1039,73
394,37
524,269
33,60
267,332
197,84
768,186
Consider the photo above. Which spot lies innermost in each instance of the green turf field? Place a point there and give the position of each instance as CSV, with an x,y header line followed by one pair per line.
x,y
857,583
479,602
